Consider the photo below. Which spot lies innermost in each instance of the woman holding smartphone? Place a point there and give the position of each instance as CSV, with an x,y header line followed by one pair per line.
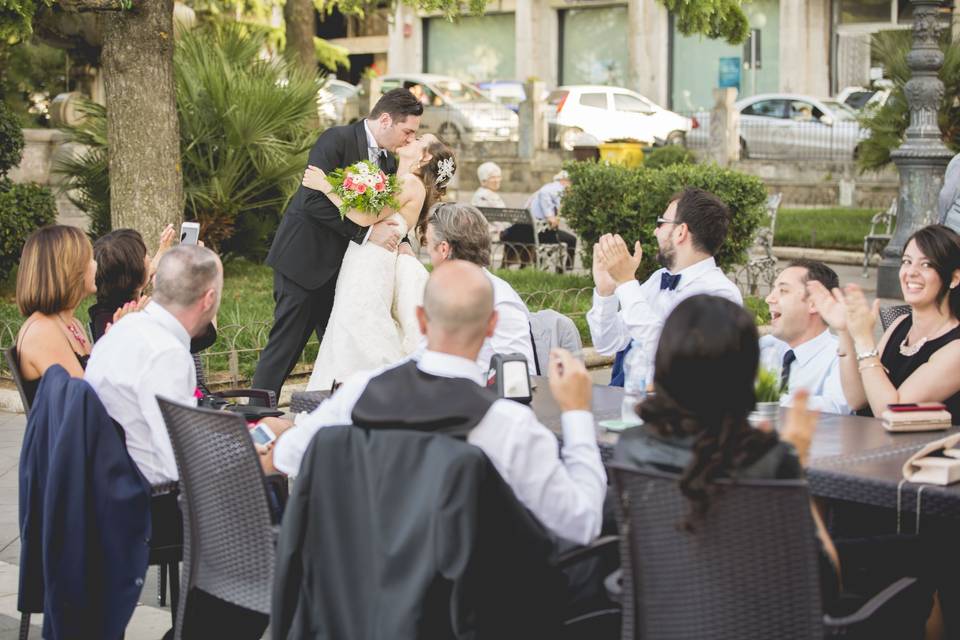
x,y
917,357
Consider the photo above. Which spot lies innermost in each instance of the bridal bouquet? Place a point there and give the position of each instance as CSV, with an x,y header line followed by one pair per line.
x,y
364,187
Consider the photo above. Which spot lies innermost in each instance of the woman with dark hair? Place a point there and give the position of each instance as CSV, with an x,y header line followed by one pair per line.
x,y
695,425
373,320
57,271
123,270
696,418
918,356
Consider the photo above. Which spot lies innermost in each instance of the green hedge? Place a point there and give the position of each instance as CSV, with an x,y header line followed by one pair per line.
x,y
612,199
11,140
669,155
24,208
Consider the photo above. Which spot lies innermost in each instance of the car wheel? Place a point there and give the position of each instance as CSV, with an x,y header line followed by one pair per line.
x,y
743,149
450,135
677,138
569,137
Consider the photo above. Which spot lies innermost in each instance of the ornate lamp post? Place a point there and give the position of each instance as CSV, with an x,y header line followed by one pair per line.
x,y
922,157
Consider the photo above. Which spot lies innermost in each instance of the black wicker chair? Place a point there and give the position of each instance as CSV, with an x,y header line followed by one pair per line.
x,y
889,314
13,363
749,571
228,529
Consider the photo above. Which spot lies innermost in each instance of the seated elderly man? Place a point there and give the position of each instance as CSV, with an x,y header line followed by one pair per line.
x,y
801,346
490,177
565,492
459,232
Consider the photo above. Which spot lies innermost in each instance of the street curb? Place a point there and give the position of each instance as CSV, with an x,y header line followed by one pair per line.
x,y
829,256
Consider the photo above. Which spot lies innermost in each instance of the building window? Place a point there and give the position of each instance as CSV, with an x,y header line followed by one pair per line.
x,y
594,46
473,49
859,11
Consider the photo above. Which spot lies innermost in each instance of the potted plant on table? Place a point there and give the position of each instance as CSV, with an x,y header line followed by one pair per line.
x,y
768,389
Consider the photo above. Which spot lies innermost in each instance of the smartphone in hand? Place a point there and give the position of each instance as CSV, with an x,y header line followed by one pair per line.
x,y
189,233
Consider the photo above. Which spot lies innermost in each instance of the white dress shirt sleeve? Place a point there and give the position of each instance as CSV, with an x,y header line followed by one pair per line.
x,y
170,374
641,319
336,410
566,494
831,398
607,330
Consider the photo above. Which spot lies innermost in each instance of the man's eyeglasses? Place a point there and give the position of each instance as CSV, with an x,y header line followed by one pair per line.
x,y
663,221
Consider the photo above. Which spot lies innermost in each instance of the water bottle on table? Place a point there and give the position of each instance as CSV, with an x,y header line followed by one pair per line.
x,y
636,369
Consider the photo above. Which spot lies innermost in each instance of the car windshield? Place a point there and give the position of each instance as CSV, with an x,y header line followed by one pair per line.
x,y
458,91
840,110
858,99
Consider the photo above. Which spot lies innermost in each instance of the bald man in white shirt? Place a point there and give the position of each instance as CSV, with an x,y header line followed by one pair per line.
x,y
689,234
564,489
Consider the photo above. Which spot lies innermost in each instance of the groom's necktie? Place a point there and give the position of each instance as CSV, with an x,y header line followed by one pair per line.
x,y
378,155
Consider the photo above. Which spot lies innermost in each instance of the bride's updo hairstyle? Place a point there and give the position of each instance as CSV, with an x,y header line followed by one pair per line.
x,y
436,175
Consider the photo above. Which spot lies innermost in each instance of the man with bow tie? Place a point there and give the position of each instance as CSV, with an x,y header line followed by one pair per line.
x,y
689,234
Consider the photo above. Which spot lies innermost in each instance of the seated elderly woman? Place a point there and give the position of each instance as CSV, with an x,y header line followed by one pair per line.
x,y
695,425
918,356
57,271
490,178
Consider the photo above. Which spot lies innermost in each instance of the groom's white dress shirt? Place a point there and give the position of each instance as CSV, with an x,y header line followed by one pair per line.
x,y
816,369
637,312
565,492
512,334
144,355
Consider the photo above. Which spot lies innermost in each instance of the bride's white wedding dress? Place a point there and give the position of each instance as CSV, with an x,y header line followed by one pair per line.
x,y
373,322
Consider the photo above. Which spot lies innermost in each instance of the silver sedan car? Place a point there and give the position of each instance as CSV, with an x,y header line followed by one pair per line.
x,y
791,126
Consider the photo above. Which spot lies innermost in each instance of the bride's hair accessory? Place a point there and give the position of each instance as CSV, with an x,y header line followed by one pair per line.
x,y
445,170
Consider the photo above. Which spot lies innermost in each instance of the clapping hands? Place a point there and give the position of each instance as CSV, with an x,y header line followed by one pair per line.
x,y
613,264
846,310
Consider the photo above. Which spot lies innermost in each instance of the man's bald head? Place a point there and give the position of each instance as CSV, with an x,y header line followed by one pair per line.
x,y
458,305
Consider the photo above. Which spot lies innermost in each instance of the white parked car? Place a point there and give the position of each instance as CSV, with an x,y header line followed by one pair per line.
x,y
782,125
612,113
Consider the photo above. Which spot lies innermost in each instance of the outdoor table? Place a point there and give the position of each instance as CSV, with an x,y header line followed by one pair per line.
x,y
852,458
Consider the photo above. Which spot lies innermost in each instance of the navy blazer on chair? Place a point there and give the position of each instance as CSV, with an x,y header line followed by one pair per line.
x,y
84,515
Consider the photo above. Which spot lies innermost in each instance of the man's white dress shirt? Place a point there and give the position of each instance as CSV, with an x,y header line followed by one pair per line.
x,y
512,334
816,369
144,355
637,312
565,492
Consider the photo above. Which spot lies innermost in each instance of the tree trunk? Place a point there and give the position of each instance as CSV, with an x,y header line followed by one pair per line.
x,y
143,134
301,26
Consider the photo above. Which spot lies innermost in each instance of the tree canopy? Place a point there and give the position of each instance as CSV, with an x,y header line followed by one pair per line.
x,y
712,18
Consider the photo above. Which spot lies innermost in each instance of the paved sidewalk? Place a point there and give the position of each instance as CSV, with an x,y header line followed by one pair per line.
x,y
149,621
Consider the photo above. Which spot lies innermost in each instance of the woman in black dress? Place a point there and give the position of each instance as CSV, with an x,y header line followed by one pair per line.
x,y
918,356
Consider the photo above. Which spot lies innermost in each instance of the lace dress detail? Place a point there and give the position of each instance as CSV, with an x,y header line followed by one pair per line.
x,y
373,322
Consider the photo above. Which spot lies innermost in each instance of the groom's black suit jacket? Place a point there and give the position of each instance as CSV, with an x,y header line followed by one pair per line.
x,y
312,239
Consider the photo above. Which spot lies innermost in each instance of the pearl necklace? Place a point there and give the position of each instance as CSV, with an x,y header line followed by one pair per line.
x,y
912,350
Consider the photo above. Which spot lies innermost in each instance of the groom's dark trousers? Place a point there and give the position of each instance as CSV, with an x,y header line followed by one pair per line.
x,y
306,254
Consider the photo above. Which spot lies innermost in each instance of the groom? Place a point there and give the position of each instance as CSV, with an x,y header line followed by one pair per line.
x,y
312,238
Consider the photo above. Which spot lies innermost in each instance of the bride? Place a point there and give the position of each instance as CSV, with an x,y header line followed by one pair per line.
x,y
373,321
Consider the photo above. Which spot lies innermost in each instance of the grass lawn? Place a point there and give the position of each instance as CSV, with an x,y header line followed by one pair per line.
x,y
823,228
246,313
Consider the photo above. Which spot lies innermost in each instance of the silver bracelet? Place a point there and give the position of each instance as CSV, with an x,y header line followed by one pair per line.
x,y
867,354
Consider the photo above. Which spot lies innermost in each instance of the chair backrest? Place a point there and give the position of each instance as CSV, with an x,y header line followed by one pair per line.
x,y
750,569
883,220
889,314
513,216
228,535
550,329
401,534
13,363
773,206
